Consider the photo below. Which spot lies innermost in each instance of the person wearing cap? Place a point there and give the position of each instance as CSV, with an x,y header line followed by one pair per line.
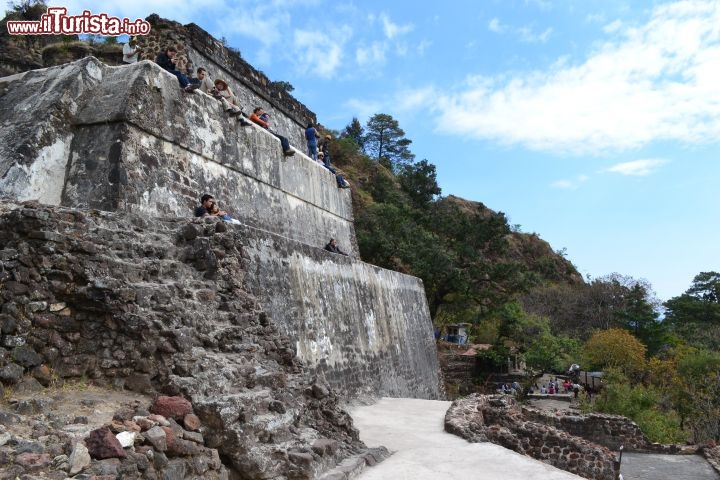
x,y
324,147
131,50
227,97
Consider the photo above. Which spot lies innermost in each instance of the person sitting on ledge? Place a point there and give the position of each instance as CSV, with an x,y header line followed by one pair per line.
x,y
167,60
203,81
339,178
206,202
216,212
284,142
209,208
332,247
223,93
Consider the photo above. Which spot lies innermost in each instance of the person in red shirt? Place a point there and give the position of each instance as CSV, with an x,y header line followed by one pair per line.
x,y
284,142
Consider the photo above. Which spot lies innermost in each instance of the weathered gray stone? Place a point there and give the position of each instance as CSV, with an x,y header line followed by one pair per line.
x,y
157,437
218,314
28,385
79,458
26,356
11,373
115,136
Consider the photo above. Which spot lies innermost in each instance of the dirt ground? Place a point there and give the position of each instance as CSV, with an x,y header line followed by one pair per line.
x,y
80,408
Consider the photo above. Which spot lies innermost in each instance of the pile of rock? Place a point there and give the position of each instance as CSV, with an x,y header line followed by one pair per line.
x,y
164,441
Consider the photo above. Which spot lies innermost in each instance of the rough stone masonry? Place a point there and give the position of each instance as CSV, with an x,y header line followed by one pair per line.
x,y
155,306
127,139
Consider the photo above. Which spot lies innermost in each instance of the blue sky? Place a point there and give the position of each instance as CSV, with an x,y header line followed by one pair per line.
x,y
593,123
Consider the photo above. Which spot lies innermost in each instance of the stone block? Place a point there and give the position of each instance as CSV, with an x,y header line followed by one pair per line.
x,y
171,407
102,444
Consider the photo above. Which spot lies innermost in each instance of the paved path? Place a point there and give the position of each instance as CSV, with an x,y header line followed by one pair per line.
x,y
413,430
640,466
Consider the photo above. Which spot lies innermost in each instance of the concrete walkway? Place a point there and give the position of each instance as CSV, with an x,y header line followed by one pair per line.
x,y
413,431
640,466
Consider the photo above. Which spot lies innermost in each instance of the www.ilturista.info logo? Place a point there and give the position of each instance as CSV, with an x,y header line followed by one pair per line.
x,y
57,22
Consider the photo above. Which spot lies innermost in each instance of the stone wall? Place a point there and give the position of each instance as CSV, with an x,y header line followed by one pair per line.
x,y
367,330
499,420
127,139
162,306
363,330
611,431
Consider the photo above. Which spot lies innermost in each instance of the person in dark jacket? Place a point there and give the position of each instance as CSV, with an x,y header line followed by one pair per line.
x,y
324,147
167,60
332,247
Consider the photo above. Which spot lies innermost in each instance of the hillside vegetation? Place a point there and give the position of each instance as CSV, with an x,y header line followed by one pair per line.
x,y
517,294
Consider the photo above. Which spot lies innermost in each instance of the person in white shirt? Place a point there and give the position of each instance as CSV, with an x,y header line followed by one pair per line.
x,y
203,80
131,51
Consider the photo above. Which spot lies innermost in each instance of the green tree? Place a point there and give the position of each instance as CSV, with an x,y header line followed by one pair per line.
x,y
419,181
699,397
26,10
355,131
695,315
385,142
640,317
641,403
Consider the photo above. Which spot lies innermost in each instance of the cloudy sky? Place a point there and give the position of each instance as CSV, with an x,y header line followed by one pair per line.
x,y
594,123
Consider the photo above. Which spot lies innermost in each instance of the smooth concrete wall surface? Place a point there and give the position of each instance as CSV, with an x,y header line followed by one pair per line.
x,y
367,330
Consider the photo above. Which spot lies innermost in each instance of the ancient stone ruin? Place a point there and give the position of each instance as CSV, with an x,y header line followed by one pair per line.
x,y
106,279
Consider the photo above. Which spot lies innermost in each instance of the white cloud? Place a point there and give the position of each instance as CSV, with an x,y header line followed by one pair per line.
x,y
372,55
362,108
422,46
541,4
613,26
320,52
391,29
527,35
410,99
570,184
656,81
595,18
494,25
565,184
524,34
640,168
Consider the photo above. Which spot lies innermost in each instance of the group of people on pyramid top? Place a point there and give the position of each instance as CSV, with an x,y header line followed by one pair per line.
x,y
319,151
